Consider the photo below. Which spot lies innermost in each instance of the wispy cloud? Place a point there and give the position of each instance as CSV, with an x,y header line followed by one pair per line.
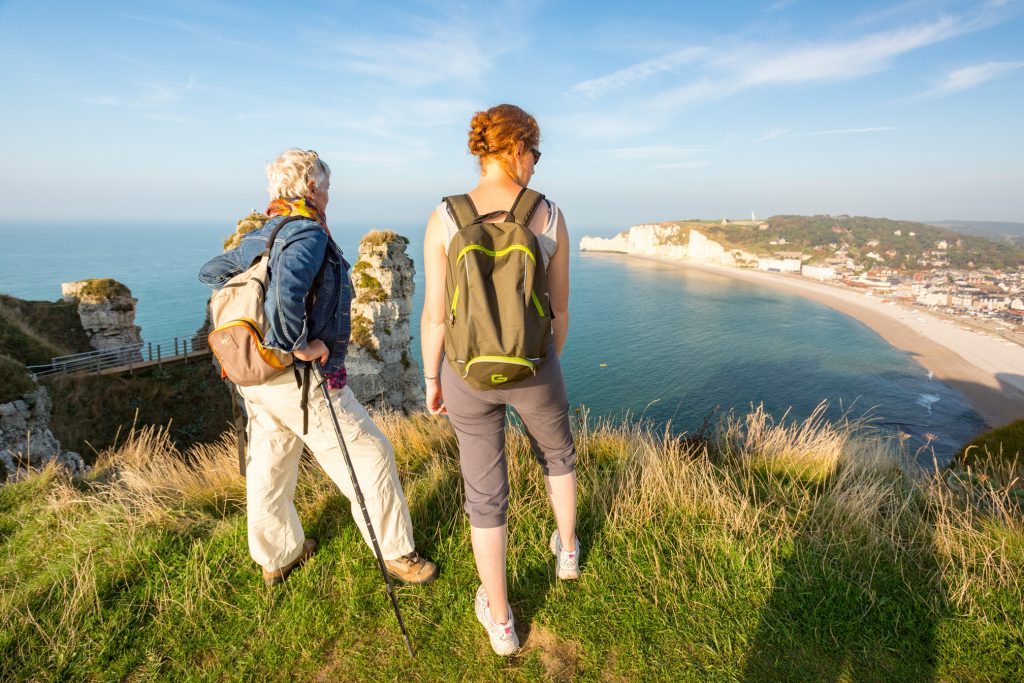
x,y
653,152
775,133
843,60
779,5
683,164
726,73
810,63
772,134
165,101
631,75
387,119
848,131
197,30
971,77
170,117
148,94
413,50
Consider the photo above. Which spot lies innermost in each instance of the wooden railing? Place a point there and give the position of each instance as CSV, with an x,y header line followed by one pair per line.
x,y
126,358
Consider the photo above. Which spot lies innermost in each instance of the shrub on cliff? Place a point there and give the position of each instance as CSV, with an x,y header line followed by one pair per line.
x,y
770,552
103,289
15,381
362,336
245,225
379,237
369,289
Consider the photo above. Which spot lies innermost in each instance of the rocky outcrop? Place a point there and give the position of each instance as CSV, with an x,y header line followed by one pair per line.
x,y
380,366
26,440
670,240
381,369
107,310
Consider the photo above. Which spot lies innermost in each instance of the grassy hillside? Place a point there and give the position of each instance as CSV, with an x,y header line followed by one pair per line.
x,y
33,332
813,235
1000,449
798,553
91,412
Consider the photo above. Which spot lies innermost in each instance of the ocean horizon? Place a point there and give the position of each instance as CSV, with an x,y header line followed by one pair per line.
x,y
648,340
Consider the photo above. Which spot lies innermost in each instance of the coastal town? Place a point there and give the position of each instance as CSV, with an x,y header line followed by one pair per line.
x,y
956,308
981,297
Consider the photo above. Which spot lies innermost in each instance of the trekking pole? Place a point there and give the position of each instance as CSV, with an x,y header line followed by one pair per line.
x,y
362,505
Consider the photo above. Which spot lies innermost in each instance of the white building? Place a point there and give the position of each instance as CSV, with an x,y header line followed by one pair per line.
x,y
780,265
819,272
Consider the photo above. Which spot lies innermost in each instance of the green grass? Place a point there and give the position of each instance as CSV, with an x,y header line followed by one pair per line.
x,y
55,330
771,553
15,381
93,412
1005,443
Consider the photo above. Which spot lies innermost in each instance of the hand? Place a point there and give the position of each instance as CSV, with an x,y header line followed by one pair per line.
x,y
315,350
435,401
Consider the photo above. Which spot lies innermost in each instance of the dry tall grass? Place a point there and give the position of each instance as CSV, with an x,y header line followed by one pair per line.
x,y
758,482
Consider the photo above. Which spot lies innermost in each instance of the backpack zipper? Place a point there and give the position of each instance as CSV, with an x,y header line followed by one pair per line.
x,y
500,359
455,301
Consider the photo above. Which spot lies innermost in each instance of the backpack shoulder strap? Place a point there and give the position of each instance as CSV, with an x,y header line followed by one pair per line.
x,y
525,206
277,229
462,210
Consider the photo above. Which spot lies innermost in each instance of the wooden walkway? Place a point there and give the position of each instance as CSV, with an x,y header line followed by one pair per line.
x,y
128,358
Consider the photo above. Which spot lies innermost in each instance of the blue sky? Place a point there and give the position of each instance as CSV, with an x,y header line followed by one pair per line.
x,y
648,111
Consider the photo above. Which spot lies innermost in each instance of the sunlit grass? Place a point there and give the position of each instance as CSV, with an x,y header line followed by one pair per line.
x,y
771,551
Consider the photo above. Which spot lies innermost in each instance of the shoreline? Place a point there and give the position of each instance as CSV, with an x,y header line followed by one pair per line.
x,y
988,371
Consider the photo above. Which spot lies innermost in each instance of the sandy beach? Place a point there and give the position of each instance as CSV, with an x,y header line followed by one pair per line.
x,y
989,371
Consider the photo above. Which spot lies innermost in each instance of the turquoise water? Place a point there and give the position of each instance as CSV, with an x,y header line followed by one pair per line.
x,y
647,339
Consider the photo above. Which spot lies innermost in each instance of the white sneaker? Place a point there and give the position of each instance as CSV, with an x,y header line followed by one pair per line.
x,y
568,565
504,640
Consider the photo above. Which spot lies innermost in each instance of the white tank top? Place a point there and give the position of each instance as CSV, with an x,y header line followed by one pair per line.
x,y
548,239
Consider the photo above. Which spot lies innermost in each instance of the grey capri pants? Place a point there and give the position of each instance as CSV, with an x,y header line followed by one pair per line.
x,y
479,421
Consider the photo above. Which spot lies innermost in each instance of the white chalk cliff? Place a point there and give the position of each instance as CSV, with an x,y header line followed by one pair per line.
x,y
668,240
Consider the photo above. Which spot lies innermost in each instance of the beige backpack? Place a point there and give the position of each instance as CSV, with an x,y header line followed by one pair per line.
x,y
240,324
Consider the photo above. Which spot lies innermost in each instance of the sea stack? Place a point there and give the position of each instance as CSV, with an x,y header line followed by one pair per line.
x,y
107,311
381,370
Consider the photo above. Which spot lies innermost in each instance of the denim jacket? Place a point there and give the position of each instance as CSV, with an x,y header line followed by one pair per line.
x,y
294,262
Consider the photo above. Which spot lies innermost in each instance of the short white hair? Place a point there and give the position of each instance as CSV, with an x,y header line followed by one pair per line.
x,y
289,174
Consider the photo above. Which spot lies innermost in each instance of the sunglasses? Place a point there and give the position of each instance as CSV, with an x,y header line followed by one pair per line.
x,y
536,154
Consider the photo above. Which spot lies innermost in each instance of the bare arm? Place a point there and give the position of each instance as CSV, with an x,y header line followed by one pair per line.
x,y
432,322
558,285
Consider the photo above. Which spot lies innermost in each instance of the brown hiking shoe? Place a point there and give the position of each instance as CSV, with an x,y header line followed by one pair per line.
x,y
278,576
412,568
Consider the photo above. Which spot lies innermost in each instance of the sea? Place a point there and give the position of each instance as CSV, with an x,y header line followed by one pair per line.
x,y
649,341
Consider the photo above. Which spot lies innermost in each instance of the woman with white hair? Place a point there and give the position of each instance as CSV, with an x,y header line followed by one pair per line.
x,y
303,251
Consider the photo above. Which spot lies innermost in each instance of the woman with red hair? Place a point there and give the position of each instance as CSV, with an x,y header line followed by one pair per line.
x,y
505,139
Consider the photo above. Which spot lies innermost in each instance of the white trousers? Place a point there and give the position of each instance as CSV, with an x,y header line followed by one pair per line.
x,y
272,467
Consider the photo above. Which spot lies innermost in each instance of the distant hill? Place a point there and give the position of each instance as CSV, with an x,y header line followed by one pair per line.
x,y
901,244
986,228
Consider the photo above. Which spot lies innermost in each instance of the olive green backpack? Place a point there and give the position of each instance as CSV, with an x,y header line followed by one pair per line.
x,y
499,315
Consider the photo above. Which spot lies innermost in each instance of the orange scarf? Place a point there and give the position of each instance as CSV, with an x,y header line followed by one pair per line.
x,y
298,206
